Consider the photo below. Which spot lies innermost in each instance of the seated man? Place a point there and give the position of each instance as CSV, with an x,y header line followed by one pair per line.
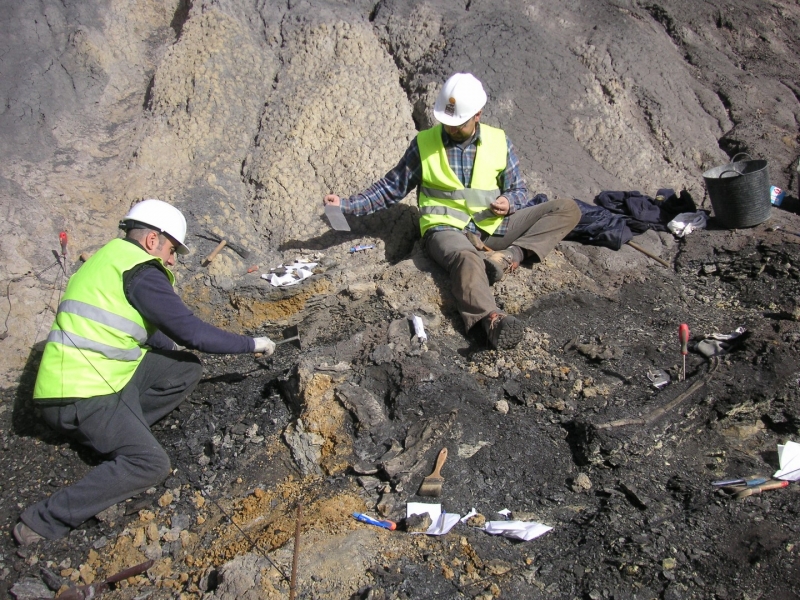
x,y
111,369
471,198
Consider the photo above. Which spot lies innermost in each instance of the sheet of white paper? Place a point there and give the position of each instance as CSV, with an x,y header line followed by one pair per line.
x,y
420,508
789,460
443,524
505,512
520,530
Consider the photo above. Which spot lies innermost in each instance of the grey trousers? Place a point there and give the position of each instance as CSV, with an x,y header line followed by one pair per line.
x,y
116,426
537,229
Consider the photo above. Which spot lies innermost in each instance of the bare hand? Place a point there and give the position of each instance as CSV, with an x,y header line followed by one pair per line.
x,y
500,206
332,200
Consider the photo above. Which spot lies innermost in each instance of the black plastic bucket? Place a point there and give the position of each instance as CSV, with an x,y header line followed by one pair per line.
x,y
739,192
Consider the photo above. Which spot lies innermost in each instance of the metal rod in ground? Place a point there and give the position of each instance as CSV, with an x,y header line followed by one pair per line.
x,y
296,552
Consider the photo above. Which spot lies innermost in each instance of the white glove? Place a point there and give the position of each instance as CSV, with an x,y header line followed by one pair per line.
x,y
264,345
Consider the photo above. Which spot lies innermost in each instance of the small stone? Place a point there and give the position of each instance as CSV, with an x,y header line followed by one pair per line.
x,y
418,523
153,551
669,563
146,515
172,535
476,520
30,587
87,574
497,567
152,531
582,483
100,542
111,514
385,505
166,500
139,537
180,521
501,406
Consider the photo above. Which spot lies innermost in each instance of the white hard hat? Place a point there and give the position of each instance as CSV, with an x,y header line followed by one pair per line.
x,y
160,216
461,98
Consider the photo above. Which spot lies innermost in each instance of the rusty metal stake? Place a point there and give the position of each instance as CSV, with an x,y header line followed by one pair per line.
x,y
296,552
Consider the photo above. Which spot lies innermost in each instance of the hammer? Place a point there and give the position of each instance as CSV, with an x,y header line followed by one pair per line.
x,y
214,253
244,253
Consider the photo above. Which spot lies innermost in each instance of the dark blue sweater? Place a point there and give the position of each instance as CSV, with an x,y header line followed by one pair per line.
x,y
150,292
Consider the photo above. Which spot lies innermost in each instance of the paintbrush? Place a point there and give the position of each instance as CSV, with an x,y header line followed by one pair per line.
x,y
432,484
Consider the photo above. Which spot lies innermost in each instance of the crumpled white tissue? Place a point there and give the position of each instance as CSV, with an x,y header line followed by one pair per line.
x,y
295,273
520,530
685,223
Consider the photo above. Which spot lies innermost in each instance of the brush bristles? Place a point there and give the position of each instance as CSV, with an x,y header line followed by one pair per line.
x,y
431,487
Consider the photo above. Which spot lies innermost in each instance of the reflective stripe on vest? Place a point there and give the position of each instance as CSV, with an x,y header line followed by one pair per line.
x,y
82,343
105,317
443,200
96,342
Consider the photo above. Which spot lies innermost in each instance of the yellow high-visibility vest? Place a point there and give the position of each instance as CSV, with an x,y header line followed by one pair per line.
x,y
97,339
443,200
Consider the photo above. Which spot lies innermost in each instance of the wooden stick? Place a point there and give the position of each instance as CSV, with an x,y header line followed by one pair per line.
x,y
659,412
214,252
650,254
296,552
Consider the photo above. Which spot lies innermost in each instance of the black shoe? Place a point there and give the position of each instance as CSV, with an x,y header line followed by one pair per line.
x,y
503,331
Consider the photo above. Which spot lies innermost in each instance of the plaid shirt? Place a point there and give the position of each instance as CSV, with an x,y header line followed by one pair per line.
x,y
407,175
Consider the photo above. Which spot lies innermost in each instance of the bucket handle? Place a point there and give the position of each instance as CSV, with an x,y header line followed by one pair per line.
x,y
733,160
731,170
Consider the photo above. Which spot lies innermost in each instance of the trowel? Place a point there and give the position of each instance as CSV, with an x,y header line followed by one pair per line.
x,y
292,336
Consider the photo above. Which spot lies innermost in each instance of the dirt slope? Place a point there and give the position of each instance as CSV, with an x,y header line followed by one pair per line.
x,y
244,115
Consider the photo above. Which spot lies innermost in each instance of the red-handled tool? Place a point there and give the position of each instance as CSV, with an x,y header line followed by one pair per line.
x,y
683,336
62,237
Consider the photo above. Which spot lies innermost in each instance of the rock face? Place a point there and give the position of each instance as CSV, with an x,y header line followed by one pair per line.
x,y
245,114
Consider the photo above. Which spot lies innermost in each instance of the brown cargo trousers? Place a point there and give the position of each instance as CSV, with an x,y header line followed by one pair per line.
x,y
537,229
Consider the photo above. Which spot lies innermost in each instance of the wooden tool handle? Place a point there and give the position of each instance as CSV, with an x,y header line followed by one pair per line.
x,y
650,254
214,252
772,485
439,463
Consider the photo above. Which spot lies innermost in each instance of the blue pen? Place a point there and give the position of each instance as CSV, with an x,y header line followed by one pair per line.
x,y
390,525
748,482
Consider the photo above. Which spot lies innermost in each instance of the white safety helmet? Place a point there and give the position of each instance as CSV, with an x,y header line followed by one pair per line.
x,y
461,98
160,216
